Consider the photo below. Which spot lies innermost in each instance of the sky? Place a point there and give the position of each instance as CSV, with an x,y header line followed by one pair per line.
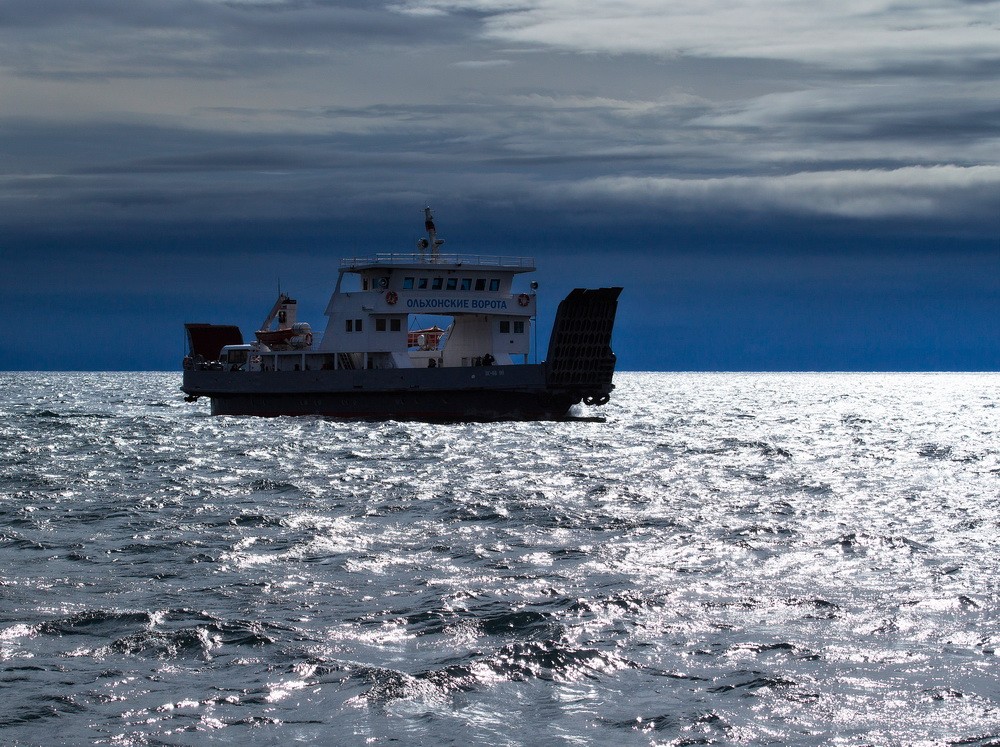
x,y
777,184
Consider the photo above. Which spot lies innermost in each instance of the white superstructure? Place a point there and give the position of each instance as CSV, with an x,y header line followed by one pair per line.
x,y
369,327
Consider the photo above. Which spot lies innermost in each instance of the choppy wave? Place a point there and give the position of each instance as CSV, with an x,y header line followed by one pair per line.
x,y
728,559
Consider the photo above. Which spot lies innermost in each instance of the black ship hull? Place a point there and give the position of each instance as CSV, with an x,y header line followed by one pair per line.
x,y
470,394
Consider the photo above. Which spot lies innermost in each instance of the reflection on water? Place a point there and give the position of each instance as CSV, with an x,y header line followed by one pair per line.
x,y
727,558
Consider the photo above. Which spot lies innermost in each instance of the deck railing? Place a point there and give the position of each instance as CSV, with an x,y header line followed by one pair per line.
x,y
484,260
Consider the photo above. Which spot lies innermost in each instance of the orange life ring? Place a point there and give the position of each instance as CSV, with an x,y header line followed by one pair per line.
x,y
524,299
391,297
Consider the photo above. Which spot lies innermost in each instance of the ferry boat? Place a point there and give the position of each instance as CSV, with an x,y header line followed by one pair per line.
x,y
375,361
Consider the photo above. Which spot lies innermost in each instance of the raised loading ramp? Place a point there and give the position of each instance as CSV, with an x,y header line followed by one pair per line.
x,y
205,341
580,359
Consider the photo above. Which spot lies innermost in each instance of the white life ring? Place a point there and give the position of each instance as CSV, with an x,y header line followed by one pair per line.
x,y
391,297
524,299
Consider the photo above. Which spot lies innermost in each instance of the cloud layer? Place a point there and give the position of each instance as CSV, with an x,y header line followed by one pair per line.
x,y
854,34
288,109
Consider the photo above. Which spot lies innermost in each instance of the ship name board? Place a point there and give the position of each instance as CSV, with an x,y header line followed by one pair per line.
x,y
457,304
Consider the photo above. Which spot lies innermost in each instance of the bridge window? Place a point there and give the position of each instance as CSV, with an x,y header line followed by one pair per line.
x,y
505,327
518,328
357,325
407,283
452,284
380,325
466,284
349,326
394,325
437,284
494,284
422,283
480,284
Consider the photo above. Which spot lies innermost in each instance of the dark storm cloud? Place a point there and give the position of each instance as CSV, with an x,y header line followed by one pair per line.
x,y
144,38
364,22
292,94
911,109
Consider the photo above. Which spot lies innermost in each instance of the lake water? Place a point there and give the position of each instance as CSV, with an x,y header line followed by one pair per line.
x,y
741,559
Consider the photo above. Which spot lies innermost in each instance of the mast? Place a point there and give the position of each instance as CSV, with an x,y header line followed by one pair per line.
x,y
284,310
432,240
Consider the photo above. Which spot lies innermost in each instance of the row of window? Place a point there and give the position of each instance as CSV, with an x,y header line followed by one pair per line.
x,y
354,325
395,325
466,284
